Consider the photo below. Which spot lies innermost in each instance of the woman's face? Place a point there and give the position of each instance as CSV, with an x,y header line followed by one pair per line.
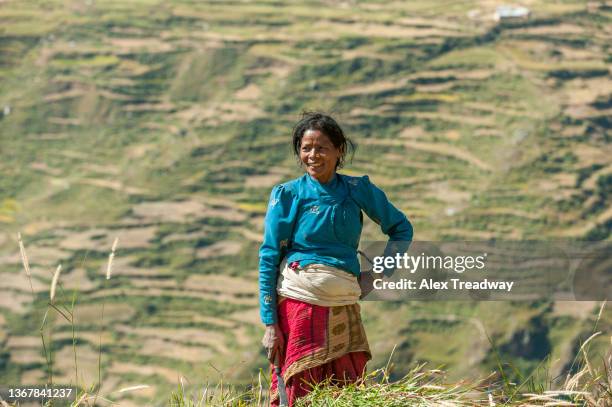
x,y
319,155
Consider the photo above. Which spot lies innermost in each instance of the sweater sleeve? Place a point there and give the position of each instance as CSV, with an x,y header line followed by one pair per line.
x,y
279,222
391,220
378,208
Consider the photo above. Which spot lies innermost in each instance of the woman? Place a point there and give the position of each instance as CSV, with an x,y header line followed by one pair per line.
x,y
308,267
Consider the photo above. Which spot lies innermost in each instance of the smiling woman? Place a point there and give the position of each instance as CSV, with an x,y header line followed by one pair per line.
x,y
309,275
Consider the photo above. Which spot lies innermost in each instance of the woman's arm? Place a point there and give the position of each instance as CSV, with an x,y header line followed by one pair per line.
x,y
280,219
391,220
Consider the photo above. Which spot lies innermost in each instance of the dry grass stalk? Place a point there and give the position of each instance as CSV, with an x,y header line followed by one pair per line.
x,y
603,305
589,339
586,359
80,400
260,390
111,256
24,256
133,388
54,281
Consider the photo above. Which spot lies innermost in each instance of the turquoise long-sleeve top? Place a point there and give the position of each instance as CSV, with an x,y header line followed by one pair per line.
x,y
310,222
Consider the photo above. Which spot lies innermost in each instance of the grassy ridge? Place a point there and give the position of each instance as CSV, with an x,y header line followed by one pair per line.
x,y
166,124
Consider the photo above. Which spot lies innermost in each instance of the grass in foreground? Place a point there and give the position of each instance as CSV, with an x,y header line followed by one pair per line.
x,y
420,387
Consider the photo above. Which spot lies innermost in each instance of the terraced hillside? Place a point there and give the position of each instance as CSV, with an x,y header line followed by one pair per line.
x,y
166,124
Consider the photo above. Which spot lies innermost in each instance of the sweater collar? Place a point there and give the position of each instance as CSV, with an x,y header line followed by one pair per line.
x,y
329,185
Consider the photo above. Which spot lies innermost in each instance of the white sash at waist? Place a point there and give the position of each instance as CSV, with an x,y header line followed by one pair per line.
x,y
318,284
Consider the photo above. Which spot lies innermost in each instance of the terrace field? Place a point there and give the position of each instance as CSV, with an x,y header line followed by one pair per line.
x,y
166,124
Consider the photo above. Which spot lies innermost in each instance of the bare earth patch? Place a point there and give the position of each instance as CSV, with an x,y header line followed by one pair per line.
x,y
139,45
171,375
93,337
249,92
154,283
221,284
101,169
15,342
262,181
550,30
582,91
414,132
591,182
78,279
86,362
33,376
182,211
591,155
44,168
20,282
91,314
112,184
434,148
139,150
219,113
375,87
156,292
183,335
196,317
485,121
222,248
149,107
69,94
162,348
384,31
102,239
250,316
122,266
182,237
15,302
251,235
26,356
469,234
578,309
508,211
37,255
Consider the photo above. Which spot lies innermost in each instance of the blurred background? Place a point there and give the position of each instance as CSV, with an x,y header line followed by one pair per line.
x,y
166,124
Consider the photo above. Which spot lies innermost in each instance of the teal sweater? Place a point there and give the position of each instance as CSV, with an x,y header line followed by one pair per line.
x,y
309,222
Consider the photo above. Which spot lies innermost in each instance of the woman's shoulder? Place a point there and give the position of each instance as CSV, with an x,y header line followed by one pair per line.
x,y
356,181
288,189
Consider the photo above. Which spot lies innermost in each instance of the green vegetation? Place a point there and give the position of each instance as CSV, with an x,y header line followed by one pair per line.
x,y
167,123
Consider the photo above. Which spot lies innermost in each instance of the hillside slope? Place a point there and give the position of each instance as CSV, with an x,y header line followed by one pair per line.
x,y
167,123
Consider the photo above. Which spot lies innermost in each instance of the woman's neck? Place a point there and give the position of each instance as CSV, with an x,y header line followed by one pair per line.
x,y
324,182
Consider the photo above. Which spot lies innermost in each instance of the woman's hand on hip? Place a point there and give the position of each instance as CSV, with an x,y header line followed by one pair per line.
x,y
273,341
366,283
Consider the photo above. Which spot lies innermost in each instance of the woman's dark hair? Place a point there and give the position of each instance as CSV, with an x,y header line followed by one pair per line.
x,y
326,125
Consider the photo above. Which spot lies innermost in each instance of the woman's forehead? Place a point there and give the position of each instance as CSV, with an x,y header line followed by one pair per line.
x,y
315,136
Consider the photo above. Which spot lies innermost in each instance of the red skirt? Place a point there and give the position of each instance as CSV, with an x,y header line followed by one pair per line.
x,y
321,343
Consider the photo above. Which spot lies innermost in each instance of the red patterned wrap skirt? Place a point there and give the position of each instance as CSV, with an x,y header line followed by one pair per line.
x,y
321,343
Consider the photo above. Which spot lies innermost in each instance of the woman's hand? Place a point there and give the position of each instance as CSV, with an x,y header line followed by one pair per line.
x,y
273,341
366,280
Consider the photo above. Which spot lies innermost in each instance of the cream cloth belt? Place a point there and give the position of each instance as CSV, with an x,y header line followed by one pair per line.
x,y
318,284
